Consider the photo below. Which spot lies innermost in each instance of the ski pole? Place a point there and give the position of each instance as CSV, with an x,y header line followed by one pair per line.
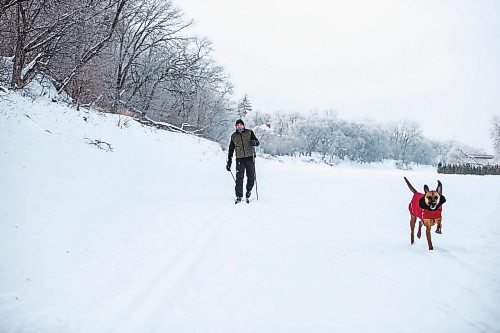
x,y
232,174
255,176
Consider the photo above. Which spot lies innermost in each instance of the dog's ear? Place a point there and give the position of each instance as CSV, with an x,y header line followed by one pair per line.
x,y
439,189
426,188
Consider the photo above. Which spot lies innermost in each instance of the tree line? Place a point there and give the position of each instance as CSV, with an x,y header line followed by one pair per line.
x,y
118,55
335,139
137,57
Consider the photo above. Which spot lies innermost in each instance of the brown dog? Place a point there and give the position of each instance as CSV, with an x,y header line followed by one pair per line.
x,y
427,208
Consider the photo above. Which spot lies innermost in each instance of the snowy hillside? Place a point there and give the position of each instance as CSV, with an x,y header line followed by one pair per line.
x,y
146,238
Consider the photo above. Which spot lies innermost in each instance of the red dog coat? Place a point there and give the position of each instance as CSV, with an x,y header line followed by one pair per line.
x,y
421,213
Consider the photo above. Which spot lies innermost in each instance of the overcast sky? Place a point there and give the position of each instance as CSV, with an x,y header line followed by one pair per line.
x,y
433,61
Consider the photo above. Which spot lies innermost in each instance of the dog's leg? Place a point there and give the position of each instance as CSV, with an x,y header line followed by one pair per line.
x,y
438,228
419,233
413,219
428,233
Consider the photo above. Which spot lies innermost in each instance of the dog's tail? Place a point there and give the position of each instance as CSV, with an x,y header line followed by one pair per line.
x,y
410,186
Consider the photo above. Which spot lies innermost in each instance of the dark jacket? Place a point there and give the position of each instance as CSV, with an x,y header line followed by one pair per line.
x,y
242,144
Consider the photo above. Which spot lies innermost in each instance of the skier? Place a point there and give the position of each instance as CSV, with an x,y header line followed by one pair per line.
x,y
243,141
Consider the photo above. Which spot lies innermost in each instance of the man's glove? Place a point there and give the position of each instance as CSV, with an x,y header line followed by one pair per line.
x,y
228,166
254,143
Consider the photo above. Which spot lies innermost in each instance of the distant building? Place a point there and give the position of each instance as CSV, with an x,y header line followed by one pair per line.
x,y
481,158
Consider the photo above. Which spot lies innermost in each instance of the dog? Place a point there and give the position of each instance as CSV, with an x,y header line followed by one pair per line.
x,y
427,207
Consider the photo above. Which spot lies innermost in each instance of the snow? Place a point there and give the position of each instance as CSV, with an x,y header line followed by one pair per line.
x,y
146,238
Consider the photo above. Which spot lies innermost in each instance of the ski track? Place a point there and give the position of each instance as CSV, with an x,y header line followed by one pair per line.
x,y
165,275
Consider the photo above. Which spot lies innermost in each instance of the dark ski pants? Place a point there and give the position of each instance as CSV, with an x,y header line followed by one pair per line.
x,y
243,164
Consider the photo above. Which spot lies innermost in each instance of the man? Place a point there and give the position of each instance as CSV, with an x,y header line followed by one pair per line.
x,y
243,142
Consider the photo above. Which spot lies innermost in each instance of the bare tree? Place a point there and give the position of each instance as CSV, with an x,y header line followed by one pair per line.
x,y
194,89
7,4
42,29
127,54
39,27
114,8
148,26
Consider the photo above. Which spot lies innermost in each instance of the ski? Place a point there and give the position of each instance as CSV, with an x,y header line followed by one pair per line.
x,y
238,200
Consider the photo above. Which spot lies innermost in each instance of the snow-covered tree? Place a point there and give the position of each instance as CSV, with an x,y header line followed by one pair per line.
x,y
310,133
495,135
244,107
405,136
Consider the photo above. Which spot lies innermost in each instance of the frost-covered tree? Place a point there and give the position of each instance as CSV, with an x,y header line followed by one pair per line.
x,y
310,133
495,135
259,118
377,143
424,153
459,154
244,107
405,136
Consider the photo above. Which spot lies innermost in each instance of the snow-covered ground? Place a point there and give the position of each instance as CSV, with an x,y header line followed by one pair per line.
x,y
146,238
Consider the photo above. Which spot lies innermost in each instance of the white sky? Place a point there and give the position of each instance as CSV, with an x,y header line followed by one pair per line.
x,y
433,61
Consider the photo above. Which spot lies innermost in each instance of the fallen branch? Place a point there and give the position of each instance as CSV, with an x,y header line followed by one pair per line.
x,y
164,126
100,144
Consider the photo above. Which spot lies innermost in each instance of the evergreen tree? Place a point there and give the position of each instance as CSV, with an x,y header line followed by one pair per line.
x,y
244,106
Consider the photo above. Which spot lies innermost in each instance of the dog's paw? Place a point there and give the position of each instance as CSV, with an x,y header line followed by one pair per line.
x,y
438,232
